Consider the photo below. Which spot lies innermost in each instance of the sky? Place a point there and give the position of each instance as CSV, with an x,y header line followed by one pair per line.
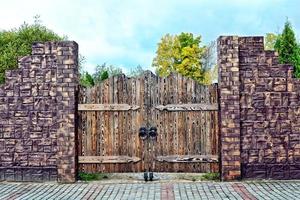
x,y
125,33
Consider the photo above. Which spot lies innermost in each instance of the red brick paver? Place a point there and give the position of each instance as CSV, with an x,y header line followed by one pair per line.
x,y
167,191
242,191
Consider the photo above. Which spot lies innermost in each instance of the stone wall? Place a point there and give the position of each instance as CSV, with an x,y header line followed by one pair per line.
x,y
37,111
260,119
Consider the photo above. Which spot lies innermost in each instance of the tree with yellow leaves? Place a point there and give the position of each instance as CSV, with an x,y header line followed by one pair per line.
x,y
180,53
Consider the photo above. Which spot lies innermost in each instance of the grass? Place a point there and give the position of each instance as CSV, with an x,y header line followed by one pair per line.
x,y
195,178
210,177
200,177
92,176
189,177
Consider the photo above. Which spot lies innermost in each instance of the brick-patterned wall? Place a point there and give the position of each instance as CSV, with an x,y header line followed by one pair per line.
x,y
269,109
37,111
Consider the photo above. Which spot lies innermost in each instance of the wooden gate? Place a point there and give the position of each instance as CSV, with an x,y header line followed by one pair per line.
x,y
184,112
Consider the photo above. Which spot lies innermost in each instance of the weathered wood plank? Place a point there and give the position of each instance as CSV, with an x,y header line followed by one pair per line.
x,y
188,107
107,159
107,107
187,158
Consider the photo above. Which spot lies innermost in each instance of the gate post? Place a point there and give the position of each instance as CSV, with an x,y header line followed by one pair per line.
x,y
67,82
229,95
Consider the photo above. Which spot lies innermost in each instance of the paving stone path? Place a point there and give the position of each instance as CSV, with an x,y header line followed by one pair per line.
x,y
154,190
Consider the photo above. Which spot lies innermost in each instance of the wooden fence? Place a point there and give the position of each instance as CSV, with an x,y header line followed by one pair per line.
x,y
184,112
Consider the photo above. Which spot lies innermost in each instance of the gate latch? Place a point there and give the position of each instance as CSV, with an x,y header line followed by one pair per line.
x,y
151,132
143,133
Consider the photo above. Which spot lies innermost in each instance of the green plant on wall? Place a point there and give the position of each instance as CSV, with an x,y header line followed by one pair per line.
x,y
270,40
86,79
288,49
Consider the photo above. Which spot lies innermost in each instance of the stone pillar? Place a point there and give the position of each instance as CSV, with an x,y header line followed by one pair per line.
x,y
229,92
67,81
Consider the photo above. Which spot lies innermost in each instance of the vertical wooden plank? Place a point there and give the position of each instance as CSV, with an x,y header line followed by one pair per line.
x,y
210,124
199,124
127,124
194,137
88,131
192,124
94,128
207,128
189,121
147,116
153,143
198,129
216,123
103,125
175,128
120,121
134,122
79,136
186,134
81,126
99,126
202,132
141,118
156,119
180,119
137,125
132,134
112,122
164,116
116,121
127,132
170,119
159,123
107,139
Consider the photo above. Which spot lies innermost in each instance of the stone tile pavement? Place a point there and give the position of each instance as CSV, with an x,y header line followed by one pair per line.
x,y
153,190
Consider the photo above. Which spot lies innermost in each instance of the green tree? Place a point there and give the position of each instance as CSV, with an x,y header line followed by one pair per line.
x,y
104,72
211,75
167,55
16,43
209,65
180,53
288,49
81,62
135,72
